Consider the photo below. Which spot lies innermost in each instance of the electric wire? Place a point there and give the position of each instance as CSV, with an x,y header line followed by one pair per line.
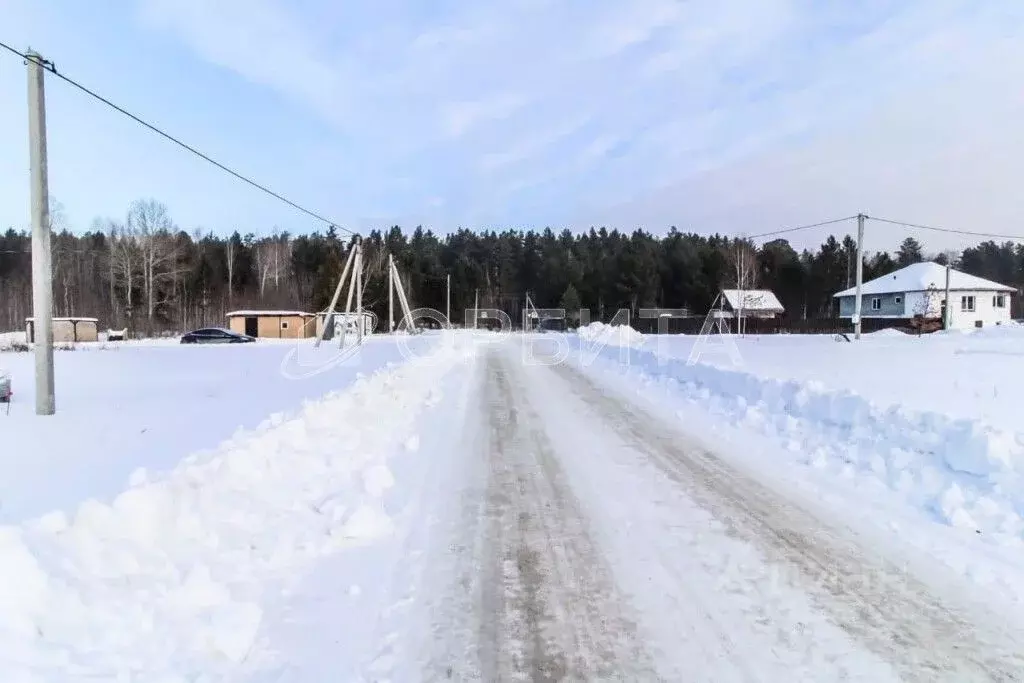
x,y
993,235
798,228
49,66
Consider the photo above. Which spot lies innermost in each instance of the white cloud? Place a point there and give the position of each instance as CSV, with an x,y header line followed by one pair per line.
x,y
459,117
505,98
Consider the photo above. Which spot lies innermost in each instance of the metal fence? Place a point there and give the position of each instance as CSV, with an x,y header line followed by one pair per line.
x,y
692,325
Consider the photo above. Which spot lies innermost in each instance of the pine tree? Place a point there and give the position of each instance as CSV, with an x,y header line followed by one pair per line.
x,y
910,252
570,303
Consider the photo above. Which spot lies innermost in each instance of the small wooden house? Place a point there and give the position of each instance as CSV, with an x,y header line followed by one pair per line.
x,y
273,324
73,329
752,303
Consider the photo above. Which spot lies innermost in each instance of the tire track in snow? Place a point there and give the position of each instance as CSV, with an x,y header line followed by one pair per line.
x,y
893,614
549,610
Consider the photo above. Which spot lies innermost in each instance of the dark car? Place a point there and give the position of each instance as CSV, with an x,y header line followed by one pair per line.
x,y
215,335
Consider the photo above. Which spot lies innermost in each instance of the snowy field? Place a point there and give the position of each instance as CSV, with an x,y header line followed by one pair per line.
x,y
976,375
148,404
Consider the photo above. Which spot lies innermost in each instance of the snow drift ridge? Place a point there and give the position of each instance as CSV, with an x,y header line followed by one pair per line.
x,y
966,472
168,581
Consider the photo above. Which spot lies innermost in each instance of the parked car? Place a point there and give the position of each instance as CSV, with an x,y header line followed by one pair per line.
x,y
215,335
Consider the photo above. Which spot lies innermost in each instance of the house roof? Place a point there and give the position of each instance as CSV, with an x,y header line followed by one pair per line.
x,y
753,300
74,319
342,314
234,314
920,277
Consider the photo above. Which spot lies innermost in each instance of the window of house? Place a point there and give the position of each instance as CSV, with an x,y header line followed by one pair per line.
x,y
967,303
999,301
284,324
898,300
876,303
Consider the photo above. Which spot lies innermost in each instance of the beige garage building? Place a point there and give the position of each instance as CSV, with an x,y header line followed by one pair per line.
x,y
67,330
273,324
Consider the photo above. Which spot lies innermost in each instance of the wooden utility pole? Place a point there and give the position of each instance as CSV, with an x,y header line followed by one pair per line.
x,y
860,274
391,293
329,315
42,258
947,313
448,299
476,307
359,295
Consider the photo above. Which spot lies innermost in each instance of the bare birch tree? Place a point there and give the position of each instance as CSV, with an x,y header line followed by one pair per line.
x,y
742,258
271,257
149,221
743,261
64,258
125,263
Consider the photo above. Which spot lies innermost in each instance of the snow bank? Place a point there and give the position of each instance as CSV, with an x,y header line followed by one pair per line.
x,y
887,333
168,581
614,335
965,472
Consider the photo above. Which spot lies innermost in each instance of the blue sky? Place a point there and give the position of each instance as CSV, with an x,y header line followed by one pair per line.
x,y
711,115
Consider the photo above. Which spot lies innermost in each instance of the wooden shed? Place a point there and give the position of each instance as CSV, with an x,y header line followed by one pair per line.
x,y
72,329
273,324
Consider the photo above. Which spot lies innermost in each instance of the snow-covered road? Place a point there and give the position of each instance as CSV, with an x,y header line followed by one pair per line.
x,y
595,541
548,605
480,512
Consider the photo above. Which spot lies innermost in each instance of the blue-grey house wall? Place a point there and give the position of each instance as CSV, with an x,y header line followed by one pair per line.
x,y
889,306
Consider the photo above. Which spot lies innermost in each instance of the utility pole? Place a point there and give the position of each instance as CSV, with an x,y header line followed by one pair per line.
x,y
359,294
860,274
329,315
476,307
391,293
947,313
448,299
42,261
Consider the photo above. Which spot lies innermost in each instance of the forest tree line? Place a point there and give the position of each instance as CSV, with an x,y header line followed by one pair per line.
x,y
145,273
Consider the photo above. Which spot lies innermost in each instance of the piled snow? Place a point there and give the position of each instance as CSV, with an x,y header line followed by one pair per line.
x,y
149,405
977,376
615,335
887,333
965,472
169,581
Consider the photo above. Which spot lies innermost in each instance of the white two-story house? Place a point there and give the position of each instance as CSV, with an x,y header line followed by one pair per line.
x,y
920,289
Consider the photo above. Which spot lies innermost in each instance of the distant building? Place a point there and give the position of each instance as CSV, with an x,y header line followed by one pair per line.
x,y
72,329
920,290
272,324
752,303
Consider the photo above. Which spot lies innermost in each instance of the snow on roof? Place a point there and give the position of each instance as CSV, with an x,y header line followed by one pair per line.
x,y
233,314
920,277
76,319
342,314
753,300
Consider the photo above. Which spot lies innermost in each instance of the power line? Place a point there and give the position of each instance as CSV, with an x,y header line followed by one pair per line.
x,y
783,231
49,66
947,230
